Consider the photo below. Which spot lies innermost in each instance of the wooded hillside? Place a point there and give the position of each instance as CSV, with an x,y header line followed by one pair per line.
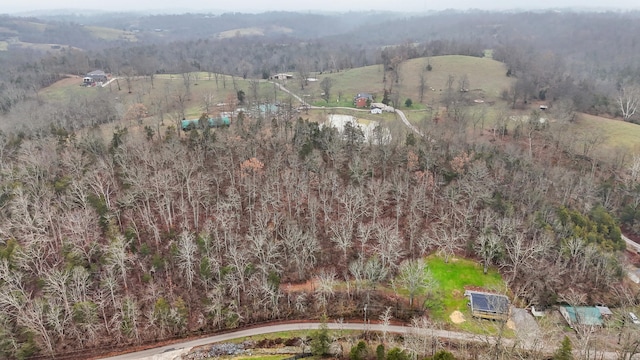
x,y
144,239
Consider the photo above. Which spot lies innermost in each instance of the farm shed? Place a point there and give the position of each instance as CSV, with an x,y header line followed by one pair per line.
x,y
488,306
581,315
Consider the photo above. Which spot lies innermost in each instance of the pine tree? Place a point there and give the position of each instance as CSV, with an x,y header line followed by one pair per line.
x,y
564,352
320,339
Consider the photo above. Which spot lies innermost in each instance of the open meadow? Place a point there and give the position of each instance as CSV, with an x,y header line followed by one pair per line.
x,y
192,94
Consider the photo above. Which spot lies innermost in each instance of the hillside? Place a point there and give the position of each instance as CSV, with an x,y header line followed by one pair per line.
x,y
119,229
486,79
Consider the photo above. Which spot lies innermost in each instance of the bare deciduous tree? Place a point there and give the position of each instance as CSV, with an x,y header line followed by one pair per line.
x,y
628,100
415,278
186,257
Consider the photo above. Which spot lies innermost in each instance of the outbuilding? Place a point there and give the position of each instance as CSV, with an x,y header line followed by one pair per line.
x,y
582,315
487,305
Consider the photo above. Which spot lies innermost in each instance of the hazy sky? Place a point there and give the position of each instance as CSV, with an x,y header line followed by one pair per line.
x,y
323,5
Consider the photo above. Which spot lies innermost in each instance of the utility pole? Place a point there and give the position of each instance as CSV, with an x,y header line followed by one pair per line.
x,y
365,318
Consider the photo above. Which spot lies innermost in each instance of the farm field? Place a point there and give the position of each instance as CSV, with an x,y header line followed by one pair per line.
x,y
111,34
486,80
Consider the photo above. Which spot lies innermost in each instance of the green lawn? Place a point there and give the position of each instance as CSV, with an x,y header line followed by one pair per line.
x,y
452,279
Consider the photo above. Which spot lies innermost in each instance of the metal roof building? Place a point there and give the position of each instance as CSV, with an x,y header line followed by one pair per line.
x,y
582,315
488,306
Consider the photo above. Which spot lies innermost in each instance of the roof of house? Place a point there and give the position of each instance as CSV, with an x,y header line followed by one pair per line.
x,y
604,311
584,315
97,73
487,302
364,95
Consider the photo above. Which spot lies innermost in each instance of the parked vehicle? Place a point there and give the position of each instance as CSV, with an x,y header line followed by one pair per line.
x,y
634,318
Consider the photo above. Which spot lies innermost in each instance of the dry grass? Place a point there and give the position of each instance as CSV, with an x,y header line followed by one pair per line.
x,y
485,75
250,31
616,133
487,79
111,34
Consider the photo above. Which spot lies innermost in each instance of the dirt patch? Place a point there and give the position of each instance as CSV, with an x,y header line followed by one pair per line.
x,y
308,286
457,317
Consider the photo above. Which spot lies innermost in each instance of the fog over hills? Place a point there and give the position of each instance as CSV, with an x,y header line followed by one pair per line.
x,y
254,6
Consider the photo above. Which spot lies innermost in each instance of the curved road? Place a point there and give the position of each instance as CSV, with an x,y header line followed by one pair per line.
x,y
171,351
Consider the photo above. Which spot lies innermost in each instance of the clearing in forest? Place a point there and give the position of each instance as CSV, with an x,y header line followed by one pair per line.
x,y
453,278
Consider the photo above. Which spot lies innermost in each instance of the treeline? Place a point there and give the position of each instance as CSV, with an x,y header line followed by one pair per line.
x,y
139,239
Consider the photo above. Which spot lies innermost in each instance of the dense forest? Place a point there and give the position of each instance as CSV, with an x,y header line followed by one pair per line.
x,y
136,240
134,237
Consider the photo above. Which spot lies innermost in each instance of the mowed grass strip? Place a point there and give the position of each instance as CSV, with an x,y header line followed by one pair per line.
x,y
452,279
263,357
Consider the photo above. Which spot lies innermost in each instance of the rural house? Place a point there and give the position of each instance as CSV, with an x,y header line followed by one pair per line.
x,y
362,100
97,76
488,306
281,76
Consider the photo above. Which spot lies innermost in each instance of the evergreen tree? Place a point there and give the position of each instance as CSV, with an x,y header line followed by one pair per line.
x,y
564,352
358,352
380,352
320,339
443,355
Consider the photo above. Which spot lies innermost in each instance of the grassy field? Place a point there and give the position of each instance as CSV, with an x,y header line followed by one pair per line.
x,y
4,46
615,132
253,31
346,83
250,31
263,357
452,279
111,34
486,80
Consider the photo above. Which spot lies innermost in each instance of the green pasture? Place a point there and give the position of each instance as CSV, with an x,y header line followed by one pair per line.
x,y
272,336
71,90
